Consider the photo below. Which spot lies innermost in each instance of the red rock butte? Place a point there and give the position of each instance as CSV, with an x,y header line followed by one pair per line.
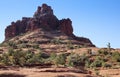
x,y
43,18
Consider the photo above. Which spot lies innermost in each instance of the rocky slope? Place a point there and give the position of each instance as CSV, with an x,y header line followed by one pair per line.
x,y
44,19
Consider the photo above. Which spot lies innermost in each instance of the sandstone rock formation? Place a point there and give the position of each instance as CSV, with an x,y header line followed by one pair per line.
x,y
43,18
66,26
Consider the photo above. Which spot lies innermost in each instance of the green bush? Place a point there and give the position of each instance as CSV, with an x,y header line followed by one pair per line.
x,y
5,59
76,60
89,51
18,58
12,44
53,56
23,45
70,45
37,58
36,46
34,60
103,52
60,59
106,65
10,51
14,58
21,58
98,62
116,56
56,41
28,56
87,63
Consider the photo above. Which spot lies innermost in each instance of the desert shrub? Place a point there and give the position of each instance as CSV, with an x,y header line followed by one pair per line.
x,y
5,59
71,59
36,59
14,58
76,60
89,51
98,62
28,55
18,58
107,57
10,51
87,63
36,46
103,52
78,46
52,56
23,45
70,45
56,41
106,65
60,59
22,41
116,56
12,44
21,58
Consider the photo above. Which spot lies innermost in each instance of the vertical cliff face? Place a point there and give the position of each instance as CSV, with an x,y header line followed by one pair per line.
x,y
16,28
66,26
43,18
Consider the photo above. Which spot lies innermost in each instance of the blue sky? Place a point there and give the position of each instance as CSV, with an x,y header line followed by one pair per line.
x,y
98,20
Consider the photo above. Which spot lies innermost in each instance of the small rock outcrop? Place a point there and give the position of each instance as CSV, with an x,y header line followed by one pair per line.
x,y
43,18
17,28
66,26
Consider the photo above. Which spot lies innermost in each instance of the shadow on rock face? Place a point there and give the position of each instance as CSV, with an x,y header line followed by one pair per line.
x,y
90,76
11,75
